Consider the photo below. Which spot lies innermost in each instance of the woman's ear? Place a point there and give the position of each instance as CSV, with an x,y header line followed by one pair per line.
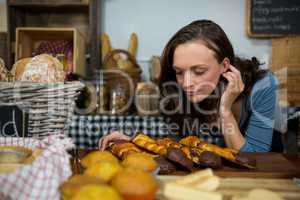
x,y
226,64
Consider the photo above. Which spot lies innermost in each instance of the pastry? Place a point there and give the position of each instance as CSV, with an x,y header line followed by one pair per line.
x,y
98,156
199,157
96,192
227,153
135,184
145,142
103,170
123,149
140,161
74,183
176,155
165,166
209,159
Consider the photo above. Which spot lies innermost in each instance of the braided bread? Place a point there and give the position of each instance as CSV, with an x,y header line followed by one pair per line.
x,y
149,144
227,153
194,141
122,150
197,155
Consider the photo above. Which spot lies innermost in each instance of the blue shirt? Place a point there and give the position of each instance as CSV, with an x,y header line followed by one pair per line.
x,y
258,115
256,118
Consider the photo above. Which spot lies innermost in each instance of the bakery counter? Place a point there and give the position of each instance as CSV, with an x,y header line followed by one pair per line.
x,y
268,165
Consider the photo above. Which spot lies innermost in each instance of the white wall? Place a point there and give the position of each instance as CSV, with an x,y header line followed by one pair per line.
x,y
156,21
3,23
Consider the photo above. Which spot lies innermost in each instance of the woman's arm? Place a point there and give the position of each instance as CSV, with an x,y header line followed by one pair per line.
x,y
259,131
231,131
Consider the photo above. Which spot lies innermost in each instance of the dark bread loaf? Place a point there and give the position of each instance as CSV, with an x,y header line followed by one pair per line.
x,y
177,156
209,159
165,167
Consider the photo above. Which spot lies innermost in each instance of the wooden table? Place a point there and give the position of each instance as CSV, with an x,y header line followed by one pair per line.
x,y
269,165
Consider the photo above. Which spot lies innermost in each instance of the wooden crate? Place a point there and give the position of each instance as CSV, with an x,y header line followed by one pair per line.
x,y
285,53
84,15
289,90
3,46
285,64
27,39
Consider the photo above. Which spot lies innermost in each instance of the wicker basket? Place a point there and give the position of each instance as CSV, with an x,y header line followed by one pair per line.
x,y
117,73
50,106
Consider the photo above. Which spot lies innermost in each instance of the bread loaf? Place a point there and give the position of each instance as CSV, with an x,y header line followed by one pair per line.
x,y
42,69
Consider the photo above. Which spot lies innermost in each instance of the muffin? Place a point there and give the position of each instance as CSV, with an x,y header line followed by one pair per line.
x,y
71,186
97,192
135,185
104,170
140,161
97,156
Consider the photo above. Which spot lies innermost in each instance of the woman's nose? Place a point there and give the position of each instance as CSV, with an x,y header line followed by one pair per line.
x,y
187,80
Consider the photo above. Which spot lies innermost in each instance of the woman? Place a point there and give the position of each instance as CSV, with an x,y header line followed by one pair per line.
x,y
226,93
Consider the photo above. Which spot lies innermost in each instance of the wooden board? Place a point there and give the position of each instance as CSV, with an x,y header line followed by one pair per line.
x,y
269,165
230,187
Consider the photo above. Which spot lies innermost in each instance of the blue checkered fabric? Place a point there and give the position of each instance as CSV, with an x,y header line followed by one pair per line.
x,y
87,129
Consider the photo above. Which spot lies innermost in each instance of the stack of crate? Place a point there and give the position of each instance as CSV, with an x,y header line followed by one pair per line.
x,y
285,65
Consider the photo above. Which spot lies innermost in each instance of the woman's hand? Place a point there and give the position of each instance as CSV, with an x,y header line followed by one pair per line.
x,y
113,136
233,89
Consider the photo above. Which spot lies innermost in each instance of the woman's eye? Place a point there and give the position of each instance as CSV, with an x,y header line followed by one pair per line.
x,y
199,72
178,72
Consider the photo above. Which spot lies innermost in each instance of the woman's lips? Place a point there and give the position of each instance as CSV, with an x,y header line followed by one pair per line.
x,y
192,93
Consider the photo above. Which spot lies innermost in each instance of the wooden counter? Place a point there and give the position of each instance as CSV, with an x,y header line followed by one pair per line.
x,y
269,165
274,172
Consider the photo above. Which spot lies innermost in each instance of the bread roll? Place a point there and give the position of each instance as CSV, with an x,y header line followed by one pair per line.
x,y
133,44
19,68
4,74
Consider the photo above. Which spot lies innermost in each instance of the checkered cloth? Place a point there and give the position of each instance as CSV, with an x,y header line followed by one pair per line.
x,y
41,179
86,130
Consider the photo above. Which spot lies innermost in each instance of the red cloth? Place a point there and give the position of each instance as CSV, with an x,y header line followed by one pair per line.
x,y
57,47
41,179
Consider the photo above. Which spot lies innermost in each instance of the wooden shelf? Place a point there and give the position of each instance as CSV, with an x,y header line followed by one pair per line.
x,y
84,15
48,3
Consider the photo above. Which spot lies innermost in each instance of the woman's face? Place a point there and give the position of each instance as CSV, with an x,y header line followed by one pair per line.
x,y
197,70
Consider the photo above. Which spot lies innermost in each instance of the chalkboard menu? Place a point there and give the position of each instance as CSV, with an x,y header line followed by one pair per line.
x,y
13,121
273,17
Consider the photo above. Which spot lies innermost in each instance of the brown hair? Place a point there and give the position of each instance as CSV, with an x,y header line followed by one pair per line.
x,y
214,38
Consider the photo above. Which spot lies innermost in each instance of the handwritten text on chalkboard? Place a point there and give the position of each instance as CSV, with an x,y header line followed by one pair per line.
x,y
13,121
275,16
